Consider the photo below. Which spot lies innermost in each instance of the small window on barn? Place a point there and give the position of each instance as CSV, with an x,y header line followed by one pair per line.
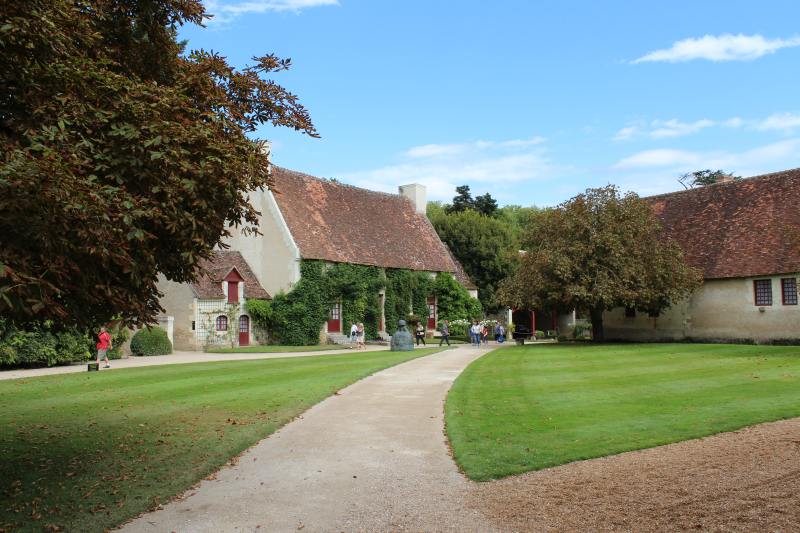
x,y
222,323
763,291
630,312
789,290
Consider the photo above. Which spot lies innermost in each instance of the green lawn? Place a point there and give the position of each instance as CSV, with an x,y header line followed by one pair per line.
x,y
531,407
85,452
270,348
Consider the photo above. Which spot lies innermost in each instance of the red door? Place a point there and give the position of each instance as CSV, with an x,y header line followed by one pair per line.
x,y
335,319
244,330
431,313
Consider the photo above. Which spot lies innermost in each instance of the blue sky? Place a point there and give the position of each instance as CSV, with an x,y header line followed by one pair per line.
x,y
532,101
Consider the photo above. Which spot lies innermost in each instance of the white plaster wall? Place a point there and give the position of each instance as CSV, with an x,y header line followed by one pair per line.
x,y
273,256
718,310
178,303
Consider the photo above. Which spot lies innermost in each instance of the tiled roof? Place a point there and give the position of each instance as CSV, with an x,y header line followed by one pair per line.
x,y
737,229
209,285
345,224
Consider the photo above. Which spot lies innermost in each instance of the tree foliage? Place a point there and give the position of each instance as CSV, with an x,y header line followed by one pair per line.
x,y
122,156
464,201
596,252
484,246
701,178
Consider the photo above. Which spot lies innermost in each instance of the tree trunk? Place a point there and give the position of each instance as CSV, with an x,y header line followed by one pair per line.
x,y
598,335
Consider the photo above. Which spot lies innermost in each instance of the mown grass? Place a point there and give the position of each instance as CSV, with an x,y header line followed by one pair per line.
x,y
269,348
527,408
85,452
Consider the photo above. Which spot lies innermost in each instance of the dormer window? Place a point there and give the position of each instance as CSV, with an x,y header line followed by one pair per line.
x,y
233,279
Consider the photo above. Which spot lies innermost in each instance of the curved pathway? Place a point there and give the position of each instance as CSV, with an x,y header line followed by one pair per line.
x,y
371,458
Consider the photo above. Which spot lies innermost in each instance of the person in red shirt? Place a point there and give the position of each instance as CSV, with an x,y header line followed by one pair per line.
x,y
103,346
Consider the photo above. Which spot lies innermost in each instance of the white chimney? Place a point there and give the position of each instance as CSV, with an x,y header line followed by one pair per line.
x,y
416,193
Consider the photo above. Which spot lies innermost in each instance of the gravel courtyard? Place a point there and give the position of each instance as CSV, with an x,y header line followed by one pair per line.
x,y
747,480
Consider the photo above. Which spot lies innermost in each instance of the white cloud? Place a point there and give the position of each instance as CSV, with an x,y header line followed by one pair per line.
x,y
626,133
661,157
661,129
734,122
445,150
656,171
484,165
675,128
726,47
779,121
227,11
780,154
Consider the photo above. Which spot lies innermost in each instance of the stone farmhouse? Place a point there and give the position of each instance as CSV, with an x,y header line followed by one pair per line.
x,y
745,237
304,217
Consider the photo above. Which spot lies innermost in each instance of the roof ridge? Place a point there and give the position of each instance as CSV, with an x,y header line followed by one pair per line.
x,y
769,175
341,184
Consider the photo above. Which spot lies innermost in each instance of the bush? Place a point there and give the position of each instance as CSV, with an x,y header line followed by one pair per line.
x,y
582,331
39,345
539,334
151,341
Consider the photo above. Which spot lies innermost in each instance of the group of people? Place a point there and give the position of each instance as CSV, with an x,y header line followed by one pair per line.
x,y
357,336
479,333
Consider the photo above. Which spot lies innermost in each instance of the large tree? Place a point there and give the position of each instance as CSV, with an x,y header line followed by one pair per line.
x,y
701,178
121,155
598,251
484,246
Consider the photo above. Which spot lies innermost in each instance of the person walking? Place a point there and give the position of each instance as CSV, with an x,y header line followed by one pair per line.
x,y
353,334
475,333
103,346
445,331
420,334
485,335
360,336
500,333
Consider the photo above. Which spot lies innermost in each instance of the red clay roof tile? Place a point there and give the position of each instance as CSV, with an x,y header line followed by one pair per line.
x,y
345,224
209,285
737,229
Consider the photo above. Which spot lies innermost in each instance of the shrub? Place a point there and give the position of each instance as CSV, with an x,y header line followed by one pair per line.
x,y
581,331
539,334
39,345
151,341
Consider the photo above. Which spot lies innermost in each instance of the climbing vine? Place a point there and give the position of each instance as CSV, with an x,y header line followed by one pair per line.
x,y
297,317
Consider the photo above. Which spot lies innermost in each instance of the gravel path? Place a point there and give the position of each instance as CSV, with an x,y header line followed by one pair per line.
x,y
747,480
372,458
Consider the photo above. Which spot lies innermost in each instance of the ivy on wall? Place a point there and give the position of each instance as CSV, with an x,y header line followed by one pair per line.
x,y
296,317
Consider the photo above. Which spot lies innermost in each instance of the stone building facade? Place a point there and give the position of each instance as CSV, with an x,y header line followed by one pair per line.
x,y
745,237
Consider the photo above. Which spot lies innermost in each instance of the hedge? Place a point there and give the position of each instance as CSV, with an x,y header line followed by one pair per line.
x,y
151,341
41,344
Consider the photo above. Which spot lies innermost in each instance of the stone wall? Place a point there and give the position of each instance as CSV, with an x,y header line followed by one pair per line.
x,y
720,310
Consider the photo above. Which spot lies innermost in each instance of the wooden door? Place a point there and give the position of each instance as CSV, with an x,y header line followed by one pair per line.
x,y
335,319
431,313
244,330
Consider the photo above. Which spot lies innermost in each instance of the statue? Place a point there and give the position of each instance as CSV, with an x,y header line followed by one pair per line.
x,y
402,340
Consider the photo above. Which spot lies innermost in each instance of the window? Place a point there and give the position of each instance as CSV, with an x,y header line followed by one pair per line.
x,y
222,323
630,312
192,325
763,291
335,311
789,290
